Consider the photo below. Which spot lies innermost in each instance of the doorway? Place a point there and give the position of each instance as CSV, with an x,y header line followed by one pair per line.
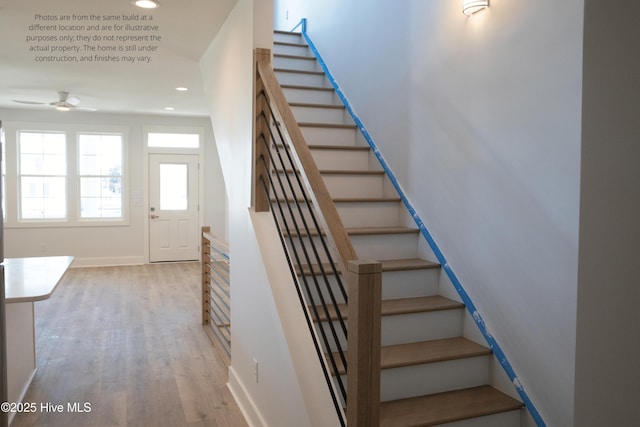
x,y
173,207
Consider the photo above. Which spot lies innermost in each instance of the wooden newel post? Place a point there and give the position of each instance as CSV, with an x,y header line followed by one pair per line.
x,y
262,139
363,341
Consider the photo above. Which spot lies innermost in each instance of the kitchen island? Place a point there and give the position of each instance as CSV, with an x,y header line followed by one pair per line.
x,y
27,280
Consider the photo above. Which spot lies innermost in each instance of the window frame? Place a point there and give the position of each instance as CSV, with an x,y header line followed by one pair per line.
x,y
79,177
73,203
21,175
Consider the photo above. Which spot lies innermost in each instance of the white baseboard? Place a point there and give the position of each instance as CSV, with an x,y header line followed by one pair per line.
x,y
107,261
244,401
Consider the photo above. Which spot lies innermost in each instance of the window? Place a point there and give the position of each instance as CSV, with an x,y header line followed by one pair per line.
x,y
173,140
64,174
42,176
174,187
100,173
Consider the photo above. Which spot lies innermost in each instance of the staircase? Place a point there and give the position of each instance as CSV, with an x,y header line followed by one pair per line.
x,y
430,374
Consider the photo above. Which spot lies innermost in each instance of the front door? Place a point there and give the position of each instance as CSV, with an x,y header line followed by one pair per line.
x,y
173,207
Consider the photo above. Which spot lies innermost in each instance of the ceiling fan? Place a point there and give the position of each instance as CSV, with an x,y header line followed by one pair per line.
x,y
64,103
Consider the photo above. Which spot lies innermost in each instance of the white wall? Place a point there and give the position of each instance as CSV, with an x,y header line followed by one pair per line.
x,y
480,120
608,337
114,244
227,69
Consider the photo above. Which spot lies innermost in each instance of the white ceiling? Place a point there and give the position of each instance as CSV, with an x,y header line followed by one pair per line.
x,y
186,28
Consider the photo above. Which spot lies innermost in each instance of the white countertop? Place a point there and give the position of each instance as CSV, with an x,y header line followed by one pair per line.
x,y
33,279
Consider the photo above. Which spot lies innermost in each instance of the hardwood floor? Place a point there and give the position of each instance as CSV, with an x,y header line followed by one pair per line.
x,y
127,341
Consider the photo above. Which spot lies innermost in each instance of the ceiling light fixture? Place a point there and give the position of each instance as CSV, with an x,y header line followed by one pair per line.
x,y
62,108
182,89
469,7
169,108
146,4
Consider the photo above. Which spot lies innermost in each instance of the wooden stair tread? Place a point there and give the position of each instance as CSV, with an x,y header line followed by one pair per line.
x,y
418,353
289,43
351,172
344,199
366,199
360,231
418,304
291,56
340,147
284,32
446,407
320,147
408,264
391,307
387,265
306,87
340,172
328,125
291,70
310,105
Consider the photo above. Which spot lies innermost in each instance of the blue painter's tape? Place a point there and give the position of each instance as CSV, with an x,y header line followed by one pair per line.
x,y
491,341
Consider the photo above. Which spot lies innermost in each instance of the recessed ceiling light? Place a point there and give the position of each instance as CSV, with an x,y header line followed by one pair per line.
x,y
146,4
182,89
169,108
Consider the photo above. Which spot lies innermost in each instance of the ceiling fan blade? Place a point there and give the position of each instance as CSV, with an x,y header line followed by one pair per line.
x,y
28,102
73,100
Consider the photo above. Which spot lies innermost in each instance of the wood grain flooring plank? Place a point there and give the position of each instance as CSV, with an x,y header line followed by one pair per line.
x,y
128,341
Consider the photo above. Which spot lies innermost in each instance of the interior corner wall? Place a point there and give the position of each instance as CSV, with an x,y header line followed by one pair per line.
x,y
480,118
608,319
272,397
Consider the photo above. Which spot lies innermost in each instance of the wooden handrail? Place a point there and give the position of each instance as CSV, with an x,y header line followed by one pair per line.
x,y
302,155
363,277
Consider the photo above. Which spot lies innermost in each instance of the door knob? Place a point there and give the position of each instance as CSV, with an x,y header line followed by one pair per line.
x,y
152,216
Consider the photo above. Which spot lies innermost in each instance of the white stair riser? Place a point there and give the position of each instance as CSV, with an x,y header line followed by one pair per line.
x,y
369,214
302,79
341,159
338,185
395,284
410,283
365,185
413,327
334,116
288,37
368,247
505,419
329,136
386,246
310,96
373,214
302,64
287,49
418,380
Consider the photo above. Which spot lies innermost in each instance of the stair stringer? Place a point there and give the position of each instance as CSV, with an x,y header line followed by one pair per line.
x,y
307,365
